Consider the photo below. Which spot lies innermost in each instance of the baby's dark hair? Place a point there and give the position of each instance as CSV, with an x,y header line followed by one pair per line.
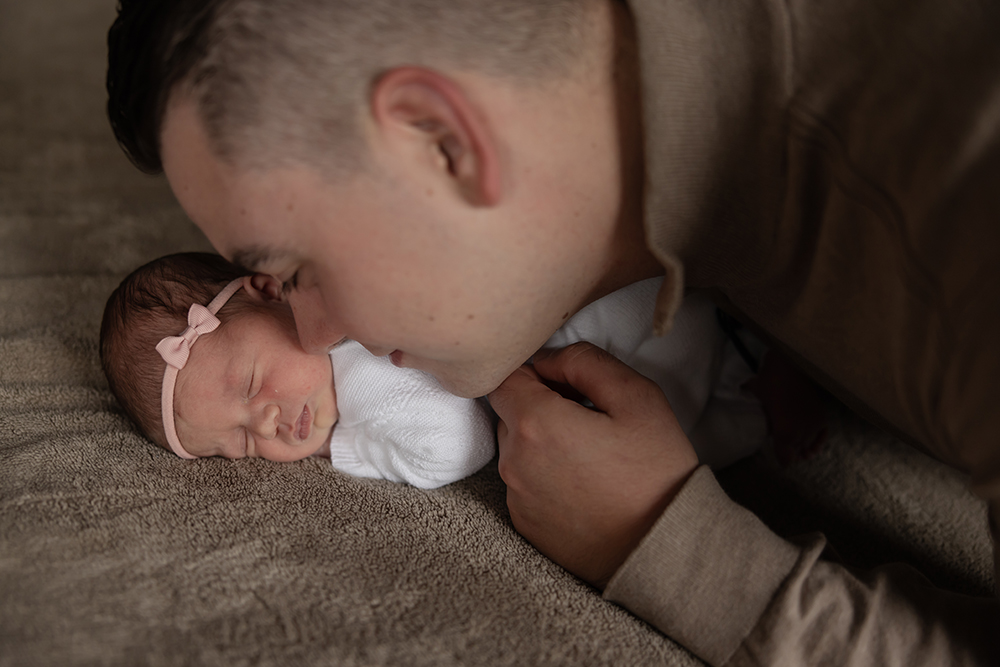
x,y
150,304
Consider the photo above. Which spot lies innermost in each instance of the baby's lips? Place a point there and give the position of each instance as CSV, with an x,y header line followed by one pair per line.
x,y
303,424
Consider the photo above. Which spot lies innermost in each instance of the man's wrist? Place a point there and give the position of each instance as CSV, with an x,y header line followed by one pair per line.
x,y
641,527
705,572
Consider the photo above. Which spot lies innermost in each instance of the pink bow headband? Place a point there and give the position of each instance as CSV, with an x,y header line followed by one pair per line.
x,y
175,350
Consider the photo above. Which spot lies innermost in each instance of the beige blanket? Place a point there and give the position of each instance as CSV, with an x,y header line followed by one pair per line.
x,y
115,552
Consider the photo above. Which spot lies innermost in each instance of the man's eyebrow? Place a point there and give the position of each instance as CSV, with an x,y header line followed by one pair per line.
x,y
254,258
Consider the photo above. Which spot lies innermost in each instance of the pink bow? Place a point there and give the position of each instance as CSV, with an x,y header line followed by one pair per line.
x,y
175,350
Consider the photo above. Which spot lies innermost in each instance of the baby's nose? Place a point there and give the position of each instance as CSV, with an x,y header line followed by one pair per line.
x,y
266,421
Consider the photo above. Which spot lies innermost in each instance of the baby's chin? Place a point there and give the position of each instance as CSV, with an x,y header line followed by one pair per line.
x,y
325,446
324,451
324,421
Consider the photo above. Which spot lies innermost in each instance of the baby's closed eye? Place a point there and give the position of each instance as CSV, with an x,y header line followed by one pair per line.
x,y
251,390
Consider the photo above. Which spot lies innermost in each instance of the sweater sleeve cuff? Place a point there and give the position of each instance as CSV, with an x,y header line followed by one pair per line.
x,y
706,571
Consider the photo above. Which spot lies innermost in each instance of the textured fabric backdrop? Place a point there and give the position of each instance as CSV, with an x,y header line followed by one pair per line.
x,y
115,552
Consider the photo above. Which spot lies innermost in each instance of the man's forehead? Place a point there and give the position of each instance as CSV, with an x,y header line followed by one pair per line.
x,y
258,258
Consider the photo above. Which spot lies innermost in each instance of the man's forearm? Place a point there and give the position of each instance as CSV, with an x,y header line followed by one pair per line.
x,y
713,577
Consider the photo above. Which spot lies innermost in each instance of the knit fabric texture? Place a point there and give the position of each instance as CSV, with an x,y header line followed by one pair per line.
x,y
399,424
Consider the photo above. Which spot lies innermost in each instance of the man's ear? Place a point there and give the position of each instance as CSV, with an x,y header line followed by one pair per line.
x,y
419,108
263,287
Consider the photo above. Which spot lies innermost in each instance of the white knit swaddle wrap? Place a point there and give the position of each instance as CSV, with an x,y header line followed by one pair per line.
x,y
699,372
399,424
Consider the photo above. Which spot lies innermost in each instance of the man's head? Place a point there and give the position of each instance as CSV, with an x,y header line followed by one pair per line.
x,y
439,179
285,79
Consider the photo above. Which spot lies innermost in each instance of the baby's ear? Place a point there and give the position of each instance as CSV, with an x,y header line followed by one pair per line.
x,y
263,287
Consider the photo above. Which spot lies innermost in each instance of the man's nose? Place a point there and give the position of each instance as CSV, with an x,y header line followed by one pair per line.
x,y
318,341
316,334
265,421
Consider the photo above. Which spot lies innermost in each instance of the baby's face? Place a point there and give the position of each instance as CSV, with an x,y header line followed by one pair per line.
x,y
249,389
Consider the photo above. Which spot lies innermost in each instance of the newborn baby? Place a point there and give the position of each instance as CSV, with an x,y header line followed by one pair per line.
x,y
208,365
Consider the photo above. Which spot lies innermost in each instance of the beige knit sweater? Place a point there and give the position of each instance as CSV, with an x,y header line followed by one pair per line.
x,y
833,170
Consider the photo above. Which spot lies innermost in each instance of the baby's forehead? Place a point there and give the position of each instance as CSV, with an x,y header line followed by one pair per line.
x,y
219,358
250,333
213,363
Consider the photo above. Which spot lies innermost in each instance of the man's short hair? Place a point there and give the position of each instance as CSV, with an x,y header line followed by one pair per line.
x,y
287,79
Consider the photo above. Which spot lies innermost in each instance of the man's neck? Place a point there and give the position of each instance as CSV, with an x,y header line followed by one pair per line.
x,y
632,260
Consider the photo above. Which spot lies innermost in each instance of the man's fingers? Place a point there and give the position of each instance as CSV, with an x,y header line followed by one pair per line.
x,y
609,383
522,385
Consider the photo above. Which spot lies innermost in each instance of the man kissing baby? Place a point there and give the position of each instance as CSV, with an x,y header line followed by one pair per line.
x,y
207,362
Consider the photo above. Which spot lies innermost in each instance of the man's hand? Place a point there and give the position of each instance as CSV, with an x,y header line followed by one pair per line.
x,y
585,485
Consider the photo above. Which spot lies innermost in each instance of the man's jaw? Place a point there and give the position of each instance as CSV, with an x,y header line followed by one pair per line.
x,y
465,379
472,384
